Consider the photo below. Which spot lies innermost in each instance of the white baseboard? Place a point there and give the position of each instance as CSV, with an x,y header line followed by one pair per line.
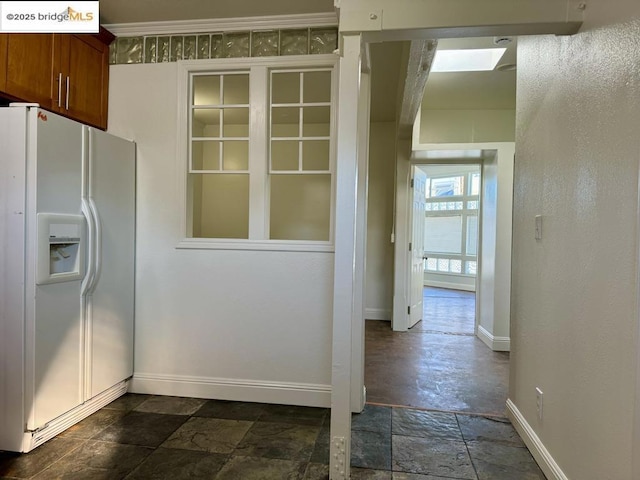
x,y
306,394
546,462
60,424
497,344
377,314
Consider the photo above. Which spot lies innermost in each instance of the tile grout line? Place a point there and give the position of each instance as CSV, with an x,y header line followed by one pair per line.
x,y
466,447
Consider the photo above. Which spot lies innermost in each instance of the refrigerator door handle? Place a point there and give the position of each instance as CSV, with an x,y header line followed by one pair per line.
x,y
97,254
87,282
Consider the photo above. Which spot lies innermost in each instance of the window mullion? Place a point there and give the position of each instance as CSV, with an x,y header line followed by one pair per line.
x,y
258,154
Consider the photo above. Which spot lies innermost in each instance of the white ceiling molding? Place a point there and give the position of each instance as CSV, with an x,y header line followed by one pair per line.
x,y
421,53
223,24
386,20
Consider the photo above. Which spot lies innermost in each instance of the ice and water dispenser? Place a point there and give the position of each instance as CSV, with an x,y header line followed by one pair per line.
x,y
60,245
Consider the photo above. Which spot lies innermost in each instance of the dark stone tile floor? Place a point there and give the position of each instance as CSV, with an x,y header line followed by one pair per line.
x,y
200,439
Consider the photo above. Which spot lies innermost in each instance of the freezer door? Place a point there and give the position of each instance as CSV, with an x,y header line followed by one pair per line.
x,y
54,342
111,192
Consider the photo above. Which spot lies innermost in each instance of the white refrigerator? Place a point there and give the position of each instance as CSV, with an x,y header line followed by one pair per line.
x,y
67,237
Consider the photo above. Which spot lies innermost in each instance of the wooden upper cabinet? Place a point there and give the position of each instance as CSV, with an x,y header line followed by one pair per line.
x,y
29,67
3,62
64,73
85,71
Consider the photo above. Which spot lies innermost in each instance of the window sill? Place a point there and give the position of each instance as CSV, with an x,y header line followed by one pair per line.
x,y
255,245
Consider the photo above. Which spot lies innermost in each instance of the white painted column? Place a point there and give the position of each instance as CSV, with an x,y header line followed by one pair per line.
x,y
357,336
345,256
402,234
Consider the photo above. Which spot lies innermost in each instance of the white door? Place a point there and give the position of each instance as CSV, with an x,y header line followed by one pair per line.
x,y
111,190
416,280
54,339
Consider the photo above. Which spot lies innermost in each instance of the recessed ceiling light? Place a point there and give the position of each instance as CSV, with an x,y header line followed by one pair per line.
x,y
468,60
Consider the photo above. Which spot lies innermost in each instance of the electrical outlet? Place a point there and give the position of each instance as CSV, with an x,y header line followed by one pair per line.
x,y
539,396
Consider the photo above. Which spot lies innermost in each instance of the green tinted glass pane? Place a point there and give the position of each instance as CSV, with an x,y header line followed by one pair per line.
x,y
206,90
220,206
235,155
317,121
236,122
285,87
317,87
285,122
315,155
300,207
206,122
205,155
284,155
236,89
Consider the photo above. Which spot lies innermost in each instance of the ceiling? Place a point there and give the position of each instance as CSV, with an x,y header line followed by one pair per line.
x,y
493,90
132,11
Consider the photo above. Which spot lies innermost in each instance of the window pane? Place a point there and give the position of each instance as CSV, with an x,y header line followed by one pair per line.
x,y
432,264
443,264
236,89
205,155
455,266
206,122
317,87
471,268
206,90
444,187
472,205
236,122
475,184
220,205
285,88
443,234
285,122
235,155
315,155
300,207
316,121
284,155
472,235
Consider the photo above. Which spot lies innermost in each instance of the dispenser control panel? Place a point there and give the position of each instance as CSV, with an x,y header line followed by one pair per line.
x,y
60,248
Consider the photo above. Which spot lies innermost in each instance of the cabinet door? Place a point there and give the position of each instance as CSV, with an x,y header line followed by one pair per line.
x,y
3,61
88,76
30,68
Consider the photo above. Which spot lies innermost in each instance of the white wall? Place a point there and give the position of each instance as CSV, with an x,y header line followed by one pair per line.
x,y
575,292
379,262
243,325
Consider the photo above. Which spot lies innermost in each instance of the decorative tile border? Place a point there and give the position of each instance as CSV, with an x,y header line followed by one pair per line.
x,y
258,43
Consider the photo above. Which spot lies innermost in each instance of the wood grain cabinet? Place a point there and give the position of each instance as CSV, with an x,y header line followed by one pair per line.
x,y
64,73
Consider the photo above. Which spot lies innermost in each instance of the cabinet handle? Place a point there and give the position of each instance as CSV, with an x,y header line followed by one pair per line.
x,y
67,102
60,89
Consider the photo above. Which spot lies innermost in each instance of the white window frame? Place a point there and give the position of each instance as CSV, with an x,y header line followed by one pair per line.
x,y
259,148
464,213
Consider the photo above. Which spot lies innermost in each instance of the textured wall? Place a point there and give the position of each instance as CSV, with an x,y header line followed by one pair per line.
x,y
574,300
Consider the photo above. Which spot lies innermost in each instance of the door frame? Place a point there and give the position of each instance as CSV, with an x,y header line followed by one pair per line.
x,y
362,22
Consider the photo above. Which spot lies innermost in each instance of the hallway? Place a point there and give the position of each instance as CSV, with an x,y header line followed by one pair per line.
x,y
438,364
